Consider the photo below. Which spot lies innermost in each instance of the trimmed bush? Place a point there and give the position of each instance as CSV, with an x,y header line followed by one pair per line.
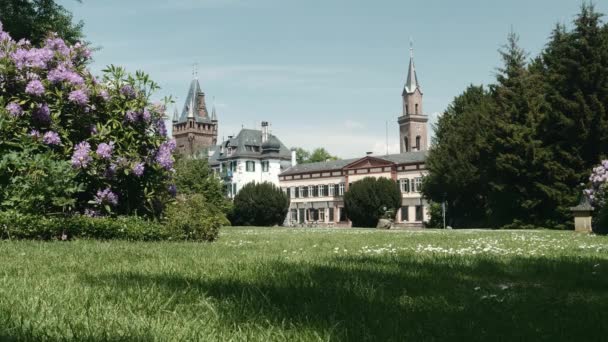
x,y
194,218
194,176
259,204
25,226
367,200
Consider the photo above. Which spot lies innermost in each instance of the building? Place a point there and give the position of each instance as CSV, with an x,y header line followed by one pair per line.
x,y
251,156
316,190
194,130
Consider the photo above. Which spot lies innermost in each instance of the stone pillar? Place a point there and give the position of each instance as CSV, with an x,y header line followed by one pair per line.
x,y
582,216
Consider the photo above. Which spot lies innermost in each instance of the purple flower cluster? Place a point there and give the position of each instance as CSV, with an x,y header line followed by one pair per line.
x,y
131,116
164,155
91,212
161,128
3,35
134,116
14,109
138,169
598,179
104,151
62,73
35,87
32,58
172,190
128,91
81,157
57,44
104,95
51,138
43,113
35,134
106,196
79,97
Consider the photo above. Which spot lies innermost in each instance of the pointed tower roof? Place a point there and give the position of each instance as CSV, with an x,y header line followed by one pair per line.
x,y
412,79
175,117
191,105
213,114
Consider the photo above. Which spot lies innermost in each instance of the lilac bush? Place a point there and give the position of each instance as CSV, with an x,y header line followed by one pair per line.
x,y
596,192
106,130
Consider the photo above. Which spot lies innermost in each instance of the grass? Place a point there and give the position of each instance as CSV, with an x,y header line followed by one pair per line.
x,y
275,284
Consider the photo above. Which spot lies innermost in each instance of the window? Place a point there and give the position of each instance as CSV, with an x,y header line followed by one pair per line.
x,y
418,184
406,142
302,213
330,189
248,148
405,214
233,189
311,191
294,215
416,105
297,192
407,108
293,192
405,185
419,213
418,143
321,190
331,214
322,215
250,165
265,165
342,214
288,192
303,191
341,190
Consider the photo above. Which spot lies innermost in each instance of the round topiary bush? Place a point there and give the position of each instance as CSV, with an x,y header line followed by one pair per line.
x,y
192,217
367,200
74,143
259,204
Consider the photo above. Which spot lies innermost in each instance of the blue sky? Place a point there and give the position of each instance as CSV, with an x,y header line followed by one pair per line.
x,y
324,73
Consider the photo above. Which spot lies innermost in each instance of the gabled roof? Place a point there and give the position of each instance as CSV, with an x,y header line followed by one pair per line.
x,y
401,158
248,144
191,105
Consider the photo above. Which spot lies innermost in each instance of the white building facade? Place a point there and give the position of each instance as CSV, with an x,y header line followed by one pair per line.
x,y
253,156
316,190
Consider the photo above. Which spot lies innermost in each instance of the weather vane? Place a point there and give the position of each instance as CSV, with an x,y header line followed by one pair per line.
x,y
411,47
195,70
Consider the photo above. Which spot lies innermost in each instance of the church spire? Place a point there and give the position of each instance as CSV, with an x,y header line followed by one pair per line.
x,y
175,117
412,79
213,114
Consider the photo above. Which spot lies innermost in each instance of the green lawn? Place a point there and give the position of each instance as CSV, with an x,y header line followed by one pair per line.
x,y
310,284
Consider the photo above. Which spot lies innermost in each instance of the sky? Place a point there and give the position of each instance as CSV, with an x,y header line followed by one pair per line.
x,y
324,73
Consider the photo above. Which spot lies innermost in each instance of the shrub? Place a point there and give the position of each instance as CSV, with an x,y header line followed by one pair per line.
x,y
261,204
191,217
14,225
54,112
597,195
367,200
194,176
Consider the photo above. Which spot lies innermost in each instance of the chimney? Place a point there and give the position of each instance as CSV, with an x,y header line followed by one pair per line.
x,y
264,131
368,153
294,160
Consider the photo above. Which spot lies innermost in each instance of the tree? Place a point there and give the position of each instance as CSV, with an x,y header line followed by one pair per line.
x,y
35,19
259,204
455,163
367,200
194,176
319,154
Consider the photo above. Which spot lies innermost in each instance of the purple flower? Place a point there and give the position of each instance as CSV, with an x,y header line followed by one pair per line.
x,y
35,134
110,171
104,95
57,44
14,109
35,87
145,115
62,73
79,97
172,190
43,113
106,196
81,51
161,128
164,155
127,91
104,151
51,138
138,169
81,157
32,58
131,116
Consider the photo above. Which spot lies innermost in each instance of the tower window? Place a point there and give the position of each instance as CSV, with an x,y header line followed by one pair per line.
x,y
418,143
407,108
416,108
406,142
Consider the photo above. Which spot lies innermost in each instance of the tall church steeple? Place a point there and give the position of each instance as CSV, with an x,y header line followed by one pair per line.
x,y
413,121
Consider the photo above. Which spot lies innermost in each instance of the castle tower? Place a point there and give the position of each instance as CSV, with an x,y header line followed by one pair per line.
x,y
194,130
413,121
